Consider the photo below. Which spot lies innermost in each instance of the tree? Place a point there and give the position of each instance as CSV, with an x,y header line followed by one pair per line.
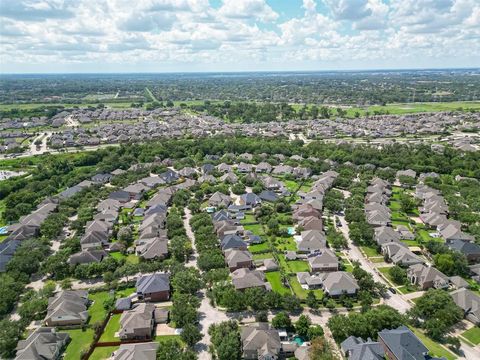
x,y
225,338
407,203
312,300
10,334
398,275
261,316
302,325
320,349
180,248
191,334
187,281
436,312
172,349
314,331
125,234
282,321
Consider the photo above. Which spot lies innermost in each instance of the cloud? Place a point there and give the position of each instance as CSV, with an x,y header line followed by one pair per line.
x,y
349,9
238,34
248,9
147,22
36,10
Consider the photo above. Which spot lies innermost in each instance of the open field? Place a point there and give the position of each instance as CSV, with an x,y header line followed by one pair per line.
x,y
103,353
80,341
472,335
276,282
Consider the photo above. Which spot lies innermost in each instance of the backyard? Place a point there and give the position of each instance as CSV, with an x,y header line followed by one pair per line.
x,y
113,326
80,341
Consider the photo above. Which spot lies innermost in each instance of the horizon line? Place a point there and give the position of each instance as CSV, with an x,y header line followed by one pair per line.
x,y
239,71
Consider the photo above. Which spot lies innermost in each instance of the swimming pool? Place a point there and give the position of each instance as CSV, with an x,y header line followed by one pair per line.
x,y
291,231
298,340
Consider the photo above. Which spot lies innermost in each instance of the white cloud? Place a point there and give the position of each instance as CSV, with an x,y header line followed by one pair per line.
x,y
248,9
238,34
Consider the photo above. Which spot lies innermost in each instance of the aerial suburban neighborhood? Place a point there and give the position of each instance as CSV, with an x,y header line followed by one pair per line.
x,y
239,180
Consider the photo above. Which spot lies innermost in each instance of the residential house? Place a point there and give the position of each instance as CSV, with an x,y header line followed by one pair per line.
x,y
137,323
237,259
250,199
399,254
245,278
260,341
219,199
43,344
469,249
427,277
87,256
469,302
67,308
386,234
154,287
323,262
263,167
153,248
136,351
311,223
232,241
402,344
356,348
311,241
339,283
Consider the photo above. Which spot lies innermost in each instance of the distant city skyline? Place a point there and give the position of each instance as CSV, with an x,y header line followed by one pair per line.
x,y
163,36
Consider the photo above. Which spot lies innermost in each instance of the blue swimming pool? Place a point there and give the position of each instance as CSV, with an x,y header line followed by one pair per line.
x,y
291,231
298,340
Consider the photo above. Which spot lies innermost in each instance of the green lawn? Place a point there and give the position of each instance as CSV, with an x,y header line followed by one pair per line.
x,y
385,272
434,348
80,341
410,242
286,243
298,266
103,352
112,327
117,255
132,259
274,279
249,218
125,292
302,293
263,256
425,235
164,338
369,251
291,185
96,310
257,229
348,268
377,260
394,205
407,289
259,247
472,335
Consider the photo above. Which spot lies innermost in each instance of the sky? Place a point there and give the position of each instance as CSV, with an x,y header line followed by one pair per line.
x,y
74,36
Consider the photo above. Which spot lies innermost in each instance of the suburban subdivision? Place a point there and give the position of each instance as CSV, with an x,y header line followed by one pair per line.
x,y
251,246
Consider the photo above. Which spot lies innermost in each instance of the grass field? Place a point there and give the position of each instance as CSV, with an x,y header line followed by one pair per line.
x,y
96,310
80,341
297,266
125,292
259,247
274,279
434,348
302,293
472,335
369,251
249,218
103,353
112,327
257,229
263,256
